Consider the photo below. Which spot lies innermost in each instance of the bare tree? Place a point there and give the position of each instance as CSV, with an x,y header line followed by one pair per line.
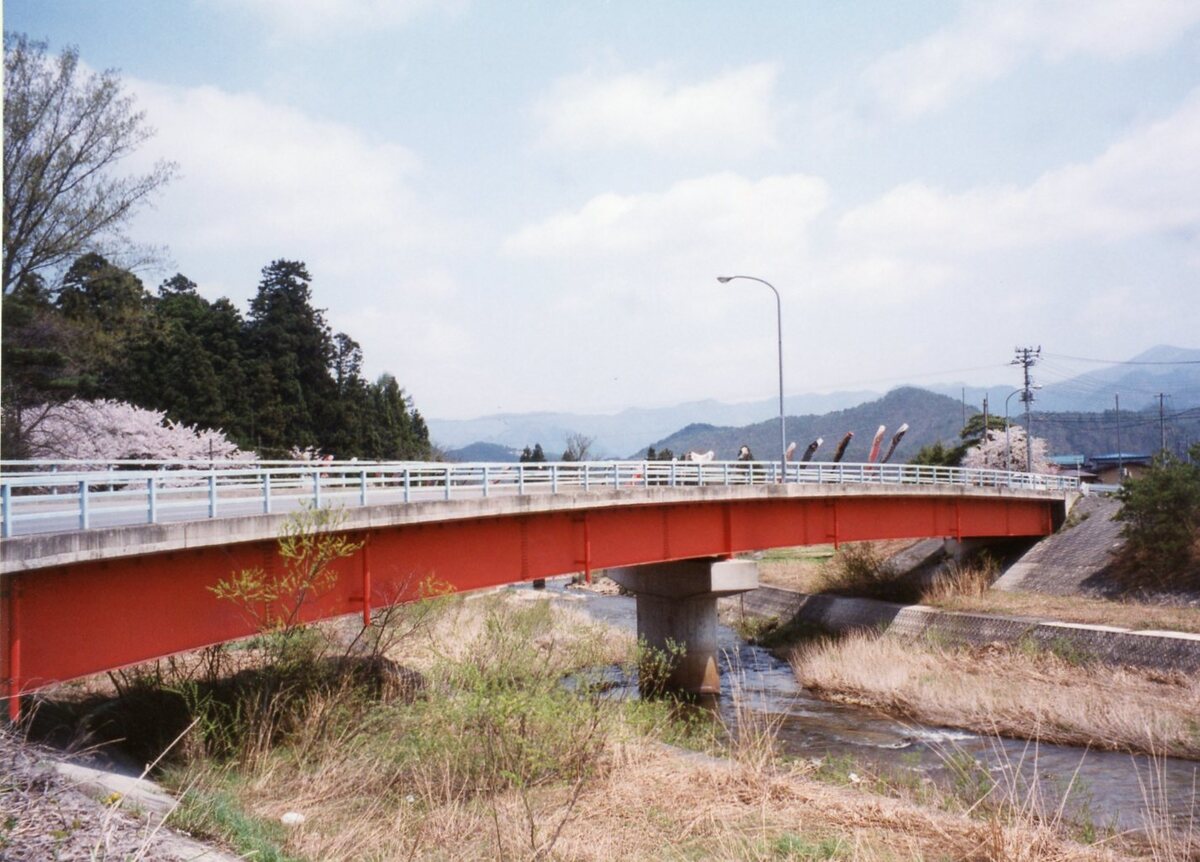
x,y
579,446
65,132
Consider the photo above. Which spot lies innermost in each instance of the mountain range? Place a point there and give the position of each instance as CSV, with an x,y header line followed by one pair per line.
x,y
1174,371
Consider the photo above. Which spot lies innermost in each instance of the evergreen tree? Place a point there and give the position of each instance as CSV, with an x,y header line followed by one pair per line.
x,y
169,365
275,382
289,350
39,366
394,432
1161,515
105,309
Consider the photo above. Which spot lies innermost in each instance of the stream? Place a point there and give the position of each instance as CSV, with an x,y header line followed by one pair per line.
x,y
1106,789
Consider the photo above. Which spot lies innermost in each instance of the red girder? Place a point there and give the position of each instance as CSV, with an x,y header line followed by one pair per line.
x,y
70,621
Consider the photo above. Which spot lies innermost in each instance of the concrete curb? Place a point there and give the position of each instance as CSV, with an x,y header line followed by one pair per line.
x,y
1152,649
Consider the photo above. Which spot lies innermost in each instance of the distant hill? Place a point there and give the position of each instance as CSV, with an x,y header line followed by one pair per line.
x,y
930,417
1096,433
486,452
618,434
1173,371
1137,381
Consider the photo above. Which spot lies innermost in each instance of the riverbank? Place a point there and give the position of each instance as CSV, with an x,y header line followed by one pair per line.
x,y
492,756
1015,690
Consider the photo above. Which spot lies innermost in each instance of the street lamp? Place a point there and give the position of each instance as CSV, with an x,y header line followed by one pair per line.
x,y
725,279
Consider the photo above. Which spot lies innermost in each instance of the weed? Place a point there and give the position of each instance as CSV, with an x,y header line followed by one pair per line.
x,y
1060,647
861,569
959,580
791,846
218,814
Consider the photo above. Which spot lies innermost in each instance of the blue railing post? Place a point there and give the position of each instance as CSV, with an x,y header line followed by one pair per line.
x,y
447,483
520,478
645,474
672,472
362,488
212,495
486,476
407,485
316,489
6,501
587,478
151,501
267,493
83,504
554,478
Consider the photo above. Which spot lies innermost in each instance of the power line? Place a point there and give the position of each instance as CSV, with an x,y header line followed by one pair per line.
x,y
1126,361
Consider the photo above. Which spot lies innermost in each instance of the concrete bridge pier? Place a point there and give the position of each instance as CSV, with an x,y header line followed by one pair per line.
x,y
677,603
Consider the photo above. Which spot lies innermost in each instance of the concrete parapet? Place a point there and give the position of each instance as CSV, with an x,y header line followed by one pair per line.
x,y
1154,649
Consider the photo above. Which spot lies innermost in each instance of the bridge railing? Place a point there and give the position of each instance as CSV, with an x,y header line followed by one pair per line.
x,y
57,496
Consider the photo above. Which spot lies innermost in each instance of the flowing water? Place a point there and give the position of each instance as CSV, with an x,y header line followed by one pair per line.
x,y
1105,789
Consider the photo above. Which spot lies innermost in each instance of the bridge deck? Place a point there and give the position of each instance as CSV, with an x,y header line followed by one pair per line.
x,y
91,600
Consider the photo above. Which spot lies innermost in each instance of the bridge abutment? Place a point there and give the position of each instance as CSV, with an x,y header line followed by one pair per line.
x,y
677,606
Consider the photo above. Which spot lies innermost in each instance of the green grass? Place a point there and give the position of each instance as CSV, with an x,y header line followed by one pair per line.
x,y
216,814
790,846
814,553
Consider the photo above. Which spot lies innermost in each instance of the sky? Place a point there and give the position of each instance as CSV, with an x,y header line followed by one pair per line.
x,y
524,206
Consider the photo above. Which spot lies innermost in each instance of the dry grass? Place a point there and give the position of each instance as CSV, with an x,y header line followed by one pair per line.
x,y
414,780
818,568
960,581
1009,691
655,802
796,569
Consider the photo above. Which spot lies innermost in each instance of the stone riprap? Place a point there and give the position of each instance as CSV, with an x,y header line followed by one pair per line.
x,y
1073,560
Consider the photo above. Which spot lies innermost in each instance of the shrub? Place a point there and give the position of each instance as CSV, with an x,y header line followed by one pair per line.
x,y
1161,515
861,569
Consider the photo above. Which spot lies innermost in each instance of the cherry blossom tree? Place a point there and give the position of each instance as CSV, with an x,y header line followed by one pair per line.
x,y
992,453
106,430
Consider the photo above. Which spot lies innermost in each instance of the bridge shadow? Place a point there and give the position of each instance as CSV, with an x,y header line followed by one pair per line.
x,y
171,710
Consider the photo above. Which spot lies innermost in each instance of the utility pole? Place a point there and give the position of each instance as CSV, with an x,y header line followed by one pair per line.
x,y
1027,357
1120,457
1162,427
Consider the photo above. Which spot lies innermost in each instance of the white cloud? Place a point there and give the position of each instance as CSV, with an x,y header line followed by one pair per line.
x,y
1147,183
722,216
988,40
263,176
314,18
261,181
734,113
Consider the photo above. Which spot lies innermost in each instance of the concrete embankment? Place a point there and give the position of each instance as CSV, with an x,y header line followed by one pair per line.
x,y
1153,649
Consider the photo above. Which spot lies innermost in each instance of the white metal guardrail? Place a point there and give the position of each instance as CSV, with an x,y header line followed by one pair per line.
x,y
58,496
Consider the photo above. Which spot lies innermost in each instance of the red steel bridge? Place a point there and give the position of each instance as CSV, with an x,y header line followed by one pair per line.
x,y
101,568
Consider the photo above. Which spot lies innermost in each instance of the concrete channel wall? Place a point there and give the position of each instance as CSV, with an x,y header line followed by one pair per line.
x,y
1154,649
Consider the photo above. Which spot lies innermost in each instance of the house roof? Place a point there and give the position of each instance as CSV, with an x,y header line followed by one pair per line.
x,y
1121,457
